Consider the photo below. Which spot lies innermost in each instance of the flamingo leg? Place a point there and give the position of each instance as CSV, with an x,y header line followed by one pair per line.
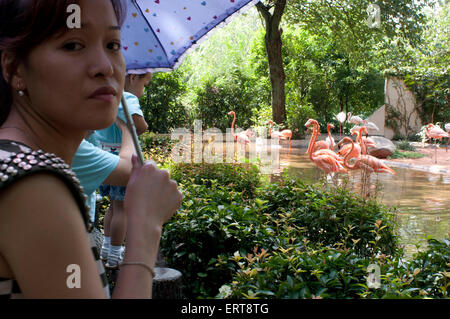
x,y
435,151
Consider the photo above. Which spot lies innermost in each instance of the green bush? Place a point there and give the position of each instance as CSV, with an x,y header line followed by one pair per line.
x,y
329,217
156,148
212,223
406,154
218,96
162,102
406,146
298,272
311,271
243,178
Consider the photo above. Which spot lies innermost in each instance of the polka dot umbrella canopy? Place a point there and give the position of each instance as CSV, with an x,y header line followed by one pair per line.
x,y
157,34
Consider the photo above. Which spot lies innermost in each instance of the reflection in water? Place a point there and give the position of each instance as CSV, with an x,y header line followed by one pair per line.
x,y
423,198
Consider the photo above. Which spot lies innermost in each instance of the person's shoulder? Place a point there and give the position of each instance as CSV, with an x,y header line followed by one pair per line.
x,y
129,96
134,105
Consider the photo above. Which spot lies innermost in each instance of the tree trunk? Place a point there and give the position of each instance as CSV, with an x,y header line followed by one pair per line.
x,y
275,58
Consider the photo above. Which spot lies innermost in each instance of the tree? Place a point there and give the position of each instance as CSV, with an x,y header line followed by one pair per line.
x,y
273,48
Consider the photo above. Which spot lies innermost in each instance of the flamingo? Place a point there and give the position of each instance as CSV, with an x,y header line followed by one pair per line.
x,y
313,142
434,131
366,162
330,139
241,137
284,134
323,159
348,147
317,145
372,126
341,117
355,119
368,141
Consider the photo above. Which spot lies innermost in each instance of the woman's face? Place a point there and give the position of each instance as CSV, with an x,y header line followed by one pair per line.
x,y
75,81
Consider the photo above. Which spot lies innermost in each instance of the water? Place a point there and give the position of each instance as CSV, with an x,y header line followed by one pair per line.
x,y
423,198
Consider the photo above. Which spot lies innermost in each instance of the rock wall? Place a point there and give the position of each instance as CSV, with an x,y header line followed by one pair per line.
x,y
401,118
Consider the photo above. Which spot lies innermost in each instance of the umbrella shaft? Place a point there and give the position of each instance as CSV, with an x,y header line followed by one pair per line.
x,y
132,129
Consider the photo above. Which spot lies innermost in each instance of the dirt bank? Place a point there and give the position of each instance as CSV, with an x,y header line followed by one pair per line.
x,y
442,165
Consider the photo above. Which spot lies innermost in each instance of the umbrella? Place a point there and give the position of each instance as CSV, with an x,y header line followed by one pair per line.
x,y
158,34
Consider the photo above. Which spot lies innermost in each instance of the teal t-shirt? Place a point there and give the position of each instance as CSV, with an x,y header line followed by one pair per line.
x,y
110,139
92,166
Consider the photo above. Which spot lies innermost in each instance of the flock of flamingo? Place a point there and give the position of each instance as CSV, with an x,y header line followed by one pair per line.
x,y
244,136
322,154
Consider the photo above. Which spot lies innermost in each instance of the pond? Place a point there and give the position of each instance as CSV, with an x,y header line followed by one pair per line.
x,y
423,198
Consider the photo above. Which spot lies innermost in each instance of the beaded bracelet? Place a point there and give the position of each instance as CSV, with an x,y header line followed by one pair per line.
x,y
152,272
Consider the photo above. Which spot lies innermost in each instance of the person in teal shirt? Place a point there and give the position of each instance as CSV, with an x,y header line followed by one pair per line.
x,y
94,166
110,140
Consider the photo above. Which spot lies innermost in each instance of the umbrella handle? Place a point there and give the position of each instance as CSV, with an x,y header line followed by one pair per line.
x,y
130,124
132,129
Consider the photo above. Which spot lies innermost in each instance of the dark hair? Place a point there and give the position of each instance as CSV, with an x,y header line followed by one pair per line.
x,y
26,23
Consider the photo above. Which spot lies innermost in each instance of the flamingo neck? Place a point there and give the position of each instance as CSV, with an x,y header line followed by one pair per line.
x,y
232,124
313,139
270,128
331,139
361,142
347,158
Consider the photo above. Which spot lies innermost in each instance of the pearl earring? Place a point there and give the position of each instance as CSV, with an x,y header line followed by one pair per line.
x,y
19,91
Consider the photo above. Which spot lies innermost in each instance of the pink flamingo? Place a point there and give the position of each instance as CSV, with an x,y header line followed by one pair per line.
x,y
330,139
318,145
355,119
284,134
323,159
366,162
313,142
434,131
241,137
368,142
348,147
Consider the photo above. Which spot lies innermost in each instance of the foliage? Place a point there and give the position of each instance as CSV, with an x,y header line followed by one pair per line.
x,y
425,67
299,271
429,271
243,178
162,102
347,21
156,148
212,223
406,154
405,146
219,96
331,217
308,271
218,219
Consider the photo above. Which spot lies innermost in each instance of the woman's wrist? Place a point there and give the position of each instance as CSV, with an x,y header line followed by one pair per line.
x,y
142,247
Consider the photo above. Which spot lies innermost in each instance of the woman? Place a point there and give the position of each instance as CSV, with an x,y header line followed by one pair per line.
x,y
56,84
